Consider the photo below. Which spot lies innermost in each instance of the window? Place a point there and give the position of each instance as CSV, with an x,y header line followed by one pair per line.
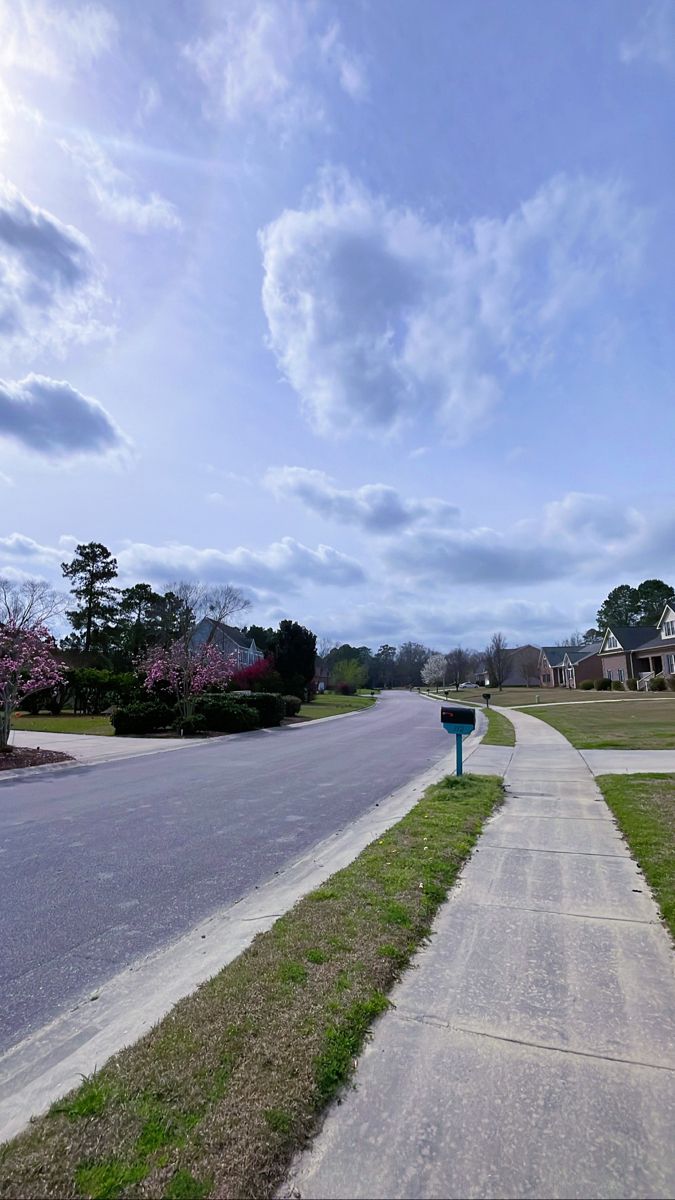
x,y
608,675
670,658
668,629
620,675
611,644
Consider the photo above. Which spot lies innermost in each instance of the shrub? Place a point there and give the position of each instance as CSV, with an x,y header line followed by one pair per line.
x,y
224,715
292,705
657,684
345,689
631,684
270,708
191,726
602,685
617,685
670,680
261,676
143,717
587,685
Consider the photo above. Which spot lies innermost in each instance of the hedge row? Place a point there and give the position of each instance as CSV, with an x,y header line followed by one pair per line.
x,y
217,713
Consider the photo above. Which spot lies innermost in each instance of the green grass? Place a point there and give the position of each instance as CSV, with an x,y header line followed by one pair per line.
x,y
644,806
219,1095
635,725
65,723
329,704
518,697
500,730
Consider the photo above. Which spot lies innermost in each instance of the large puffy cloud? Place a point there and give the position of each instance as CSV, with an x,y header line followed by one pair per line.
x,y
266,59
376,314
375,507
114,191
284,566
49,286
53,418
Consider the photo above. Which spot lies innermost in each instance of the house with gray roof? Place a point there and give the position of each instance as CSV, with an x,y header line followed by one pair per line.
x,y
230,641
568,666
640,651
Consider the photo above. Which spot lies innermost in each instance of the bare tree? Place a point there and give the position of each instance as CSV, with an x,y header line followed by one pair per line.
x,y
574,640
29,603
497,660
459,662
196,600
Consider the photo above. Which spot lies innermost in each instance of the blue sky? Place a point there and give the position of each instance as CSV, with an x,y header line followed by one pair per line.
x,y
366,308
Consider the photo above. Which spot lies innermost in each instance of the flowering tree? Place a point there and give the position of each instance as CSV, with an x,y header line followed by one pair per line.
x,y
27,664
434,670
187,672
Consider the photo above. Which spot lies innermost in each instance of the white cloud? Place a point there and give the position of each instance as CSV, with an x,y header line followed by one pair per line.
x,y
52,418
262,61
51,39
149,100
377,315
114,193
283,566
50,292
375,507
653,40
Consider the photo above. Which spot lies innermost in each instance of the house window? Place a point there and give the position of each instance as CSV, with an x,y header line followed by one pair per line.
x,y
611,644
670,658
620,674
608,675
668,629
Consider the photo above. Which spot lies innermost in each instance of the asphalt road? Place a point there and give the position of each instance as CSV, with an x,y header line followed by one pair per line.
x,y
100,865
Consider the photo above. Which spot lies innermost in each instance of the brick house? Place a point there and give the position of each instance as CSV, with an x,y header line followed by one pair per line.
x,y
568,666
640,651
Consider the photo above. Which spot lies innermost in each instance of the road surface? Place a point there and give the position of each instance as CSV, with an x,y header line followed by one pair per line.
x,y
99,865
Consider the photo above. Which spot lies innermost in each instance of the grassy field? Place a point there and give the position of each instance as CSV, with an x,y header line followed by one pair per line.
x,y
644,806
218,1096
329,704
65,723
519,697
636,725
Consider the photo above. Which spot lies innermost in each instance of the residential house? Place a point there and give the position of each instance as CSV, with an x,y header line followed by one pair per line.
x,y
522,669
620,651
230,641
568,666
657,656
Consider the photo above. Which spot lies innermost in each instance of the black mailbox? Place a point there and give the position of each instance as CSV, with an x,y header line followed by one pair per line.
x,y
455,714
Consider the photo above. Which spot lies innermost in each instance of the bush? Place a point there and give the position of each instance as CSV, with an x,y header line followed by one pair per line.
x,y
261,676
271,709
345,689
602,685
223,715
657,684
670,680
191,726
617,685
292,705
145,716
631,684
587,685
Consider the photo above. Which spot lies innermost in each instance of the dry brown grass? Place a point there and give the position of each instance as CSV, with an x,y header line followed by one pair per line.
x,y
215,1100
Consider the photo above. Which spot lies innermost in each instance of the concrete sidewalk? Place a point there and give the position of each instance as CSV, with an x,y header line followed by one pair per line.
x,y
531,1051
629,762
94,748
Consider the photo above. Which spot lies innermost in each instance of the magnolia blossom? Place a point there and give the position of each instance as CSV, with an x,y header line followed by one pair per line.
x,y
188,672
27,664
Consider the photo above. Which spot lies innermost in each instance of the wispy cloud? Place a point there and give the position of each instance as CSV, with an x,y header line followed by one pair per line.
x,y
653,40
54,39
375,507
114,192
265,60
377,315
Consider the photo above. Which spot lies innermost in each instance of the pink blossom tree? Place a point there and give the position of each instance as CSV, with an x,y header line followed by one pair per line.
x,y
187,671
27,664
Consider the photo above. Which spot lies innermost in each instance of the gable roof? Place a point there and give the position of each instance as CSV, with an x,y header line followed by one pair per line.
x,y
630,637
670,604
235,635
556,654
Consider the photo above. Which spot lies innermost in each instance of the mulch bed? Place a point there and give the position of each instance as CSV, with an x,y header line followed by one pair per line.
x,y
26,756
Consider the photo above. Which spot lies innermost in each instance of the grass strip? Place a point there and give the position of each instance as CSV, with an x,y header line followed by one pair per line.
x,y
500,730
44,723
218,1096
630,725
644,806
330,704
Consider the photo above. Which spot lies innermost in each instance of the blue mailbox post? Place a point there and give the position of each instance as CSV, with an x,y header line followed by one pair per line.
x,y
460,721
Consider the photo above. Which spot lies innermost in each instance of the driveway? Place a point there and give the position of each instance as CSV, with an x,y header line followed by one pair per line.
x,y
92,748
103,864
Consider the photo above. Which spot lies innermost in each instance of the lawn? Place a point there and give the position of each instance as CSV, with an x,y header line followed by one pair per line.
x,y
644,806
635,725
65,723
330,704
518,697
217,1097
500,730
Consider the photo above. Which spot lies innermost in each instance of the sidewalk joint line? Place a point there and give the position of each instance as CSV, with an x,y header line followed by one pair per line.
x,y
544,850
557,912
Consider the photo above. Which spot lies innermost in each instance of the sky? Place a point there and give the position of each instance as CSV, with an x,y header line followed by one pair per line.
x,y
365,308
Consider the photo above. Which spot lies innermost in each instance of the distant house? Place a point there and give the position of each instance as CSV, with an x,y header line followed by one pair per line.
x,y
228,640
523,666
640,651
568,666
